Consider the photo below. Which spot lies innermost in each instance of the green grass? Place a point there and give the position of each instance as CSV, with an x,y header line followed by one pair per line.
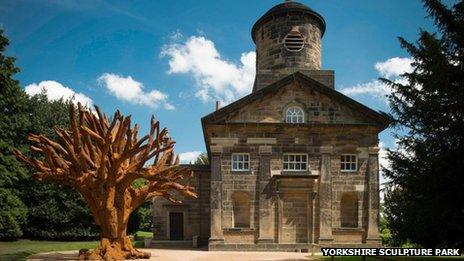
x,y
391,258
21,249
140,234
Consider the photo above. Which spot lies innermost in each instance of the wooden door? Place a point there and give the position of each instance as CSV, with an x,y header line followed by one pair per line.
x,y
176,226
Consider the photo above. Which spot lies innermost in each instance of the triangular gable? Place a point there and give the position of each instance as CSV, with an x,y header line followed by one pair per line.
x,y
370,116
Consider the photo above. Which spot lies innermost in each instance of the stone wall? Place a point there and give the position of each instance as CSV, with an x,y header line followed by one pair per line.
x,y
318,108
293,215
267,77
196,211
271,53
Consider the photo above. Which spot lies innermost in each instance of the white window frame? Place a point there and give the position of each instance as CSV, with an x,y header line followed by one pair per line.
x,y
295,162
350,162
240,161
294,115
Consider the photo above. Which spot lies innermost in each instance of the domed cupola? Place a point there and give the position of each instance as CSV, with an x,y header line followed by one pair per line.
x,y
288,39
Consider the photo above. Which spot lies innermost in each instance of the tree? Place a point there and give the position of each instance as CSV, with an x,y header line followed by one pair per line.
x,y
55,211
202,159
13,123
102,160
424,202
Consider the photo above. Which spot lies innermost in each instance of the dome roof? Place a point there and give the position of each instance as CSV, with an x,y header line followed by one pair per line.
x,y
285,8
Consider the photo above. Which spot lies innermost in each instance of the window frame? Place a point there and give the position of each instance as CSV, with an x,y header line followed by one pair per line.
x,y
295,162
232,162
348,163
291,117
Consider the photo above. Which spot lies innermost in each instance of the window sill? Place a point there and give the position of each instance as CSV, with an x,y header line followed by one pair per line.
x,y
349,172
353,229
292,172
241,172
241,229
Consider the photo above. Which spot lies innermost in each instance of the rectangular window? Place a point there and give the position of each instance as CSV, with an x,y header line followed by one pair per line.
x,y
240,162
295,162
348,162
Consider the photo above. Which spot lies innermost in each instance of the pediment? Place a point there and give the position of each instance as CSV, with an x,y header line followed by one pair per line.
x,y
321,105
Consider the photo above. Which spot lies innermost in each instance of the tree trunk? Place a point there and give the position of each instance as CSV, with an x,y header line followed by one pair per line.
x,y
114,249
114,242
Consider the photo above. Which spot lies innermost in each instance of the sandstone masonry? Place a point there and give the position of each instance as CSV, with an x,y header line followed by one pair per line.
x,y
294,164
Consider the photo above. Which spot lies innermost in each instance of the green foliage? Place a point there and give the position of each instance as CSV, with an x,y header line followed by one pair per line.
x,y
146,217
385,233
424,202
202,159
13,126
28,207
141,219
12,214
140,234
55,211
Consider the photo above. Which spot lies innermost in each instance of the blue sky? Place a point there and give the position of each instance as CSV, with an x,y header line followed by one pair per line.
x,y
173,59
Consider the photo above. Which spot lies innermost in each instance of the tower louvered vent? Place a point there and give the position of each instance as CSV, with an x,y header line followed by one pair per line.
x,y
294,41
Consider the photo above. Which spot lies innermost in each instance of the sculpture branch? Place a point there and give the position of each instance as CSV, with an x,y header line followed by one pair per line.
x,y
102,159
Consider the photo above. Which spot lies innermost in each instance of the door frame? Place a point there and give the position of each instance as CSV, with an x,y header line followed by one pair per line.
x,y
184,219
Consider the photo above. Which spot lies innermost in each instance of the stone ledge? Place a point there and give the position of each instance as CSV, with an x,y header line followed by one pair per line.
x,y
326,149
216,149
261,140
373,150
239,229
224,141
265,150
297,247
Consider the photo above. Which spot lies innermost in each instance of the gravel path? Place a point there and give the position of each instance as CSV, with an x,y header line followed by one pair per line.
x,y
174,254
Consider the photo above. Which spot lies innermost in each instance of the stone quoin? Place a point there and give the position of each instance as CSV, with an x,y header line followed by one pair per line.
x,y
293,165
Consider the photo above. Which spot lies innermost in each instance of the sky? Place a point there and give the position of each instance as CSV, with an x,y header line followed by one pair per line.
x,y
174,59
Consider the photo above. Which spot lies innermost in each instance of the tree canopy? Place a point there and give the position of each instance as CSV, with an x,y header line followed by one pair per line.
x,y
424,202
13,125
29,208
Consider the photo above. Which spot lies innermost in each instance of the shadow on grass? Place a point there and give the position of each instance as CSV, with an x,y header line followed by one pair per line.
x,y
22,249
20,255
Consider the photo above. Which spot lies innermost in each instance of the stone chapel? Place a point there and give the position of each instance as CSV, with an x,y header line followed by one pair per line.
x,y
293,165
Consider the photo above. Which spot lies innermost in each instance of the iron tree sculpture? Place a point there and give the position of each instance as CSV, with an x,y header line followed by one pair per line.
x,y
102,159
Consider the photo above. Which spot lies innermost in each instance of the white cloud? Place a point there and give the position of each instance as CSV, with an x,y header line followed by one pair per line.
x,y
375,88
188,157
129,90
216,77
55,91
391,69
394,67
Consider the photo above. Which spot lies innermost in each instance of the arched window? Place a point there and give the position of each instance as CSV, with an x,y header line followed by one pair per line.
x,y
294,114
349,210
241,208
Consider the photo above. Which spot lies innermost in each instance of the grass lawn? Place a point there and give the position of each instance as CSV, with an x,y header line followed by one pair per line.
x,y
140,234
21,249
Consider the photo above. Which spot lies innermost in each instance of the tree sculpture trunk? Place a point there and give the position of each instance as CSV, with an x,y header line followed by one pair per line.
x,y
102,159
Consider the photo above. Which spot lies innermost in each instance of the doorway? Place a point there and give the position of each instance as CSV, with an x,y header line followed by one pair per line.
x,y
176,226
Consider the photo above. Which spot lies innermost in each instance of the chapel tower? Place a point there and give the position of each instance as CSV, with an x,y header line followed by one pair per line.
x,y
293,165
288,39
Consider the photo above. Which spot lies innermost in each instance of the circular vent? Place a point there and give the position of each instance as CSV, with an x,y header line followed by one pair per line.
x,y
294,41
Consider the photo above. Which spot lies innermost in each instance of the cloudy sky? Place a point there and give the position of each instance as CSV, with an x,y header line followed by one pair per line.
x,y
174,59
